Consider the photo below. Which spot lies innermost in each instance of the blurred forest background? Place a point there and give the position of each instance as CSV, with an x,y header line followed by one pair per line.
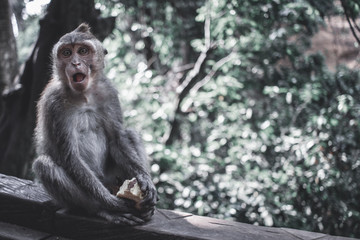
x,y
249,109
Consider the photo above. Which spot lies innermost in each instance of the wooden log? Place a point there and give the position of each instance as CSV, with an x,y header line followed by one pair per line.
x,y
11,231
26,204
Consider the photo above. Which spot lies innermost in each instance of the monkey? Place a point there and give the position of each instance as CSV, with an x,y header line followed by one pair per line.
x,y
83,149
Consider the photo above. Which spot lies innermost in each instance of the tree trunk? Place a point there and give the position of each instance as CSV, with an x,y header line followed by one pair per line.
x,y
8,60
17,125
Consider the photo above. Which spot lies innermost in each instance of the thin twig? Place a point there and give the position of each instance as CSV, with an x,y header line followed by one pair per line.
x,y
214,69
349,21
193,73
207,78
183,68
201,59
207,31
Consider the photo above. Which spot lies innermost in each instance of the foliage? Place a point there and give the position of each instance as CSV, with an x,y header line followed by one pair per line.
x,y
268,135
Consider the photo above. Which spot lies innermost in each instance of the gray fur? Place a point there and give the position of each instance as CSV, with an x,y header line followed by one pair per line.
x,y
83,149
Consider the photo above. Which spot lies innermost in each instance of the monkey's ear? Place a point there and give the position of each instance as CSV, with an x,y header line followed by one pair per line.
x,y
82,28
105,51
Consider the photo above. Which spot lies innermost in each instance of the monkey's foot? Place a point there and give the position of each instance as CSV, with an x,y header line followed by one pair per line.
x,y
121,218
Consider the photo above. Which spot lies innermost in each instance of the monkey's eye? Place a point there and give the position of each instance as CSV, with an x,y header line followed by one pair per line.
x,y
66,52
83,51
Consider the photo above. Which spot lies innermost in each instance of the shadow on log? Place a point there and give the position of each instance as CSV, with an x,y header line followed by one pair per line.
x,y
26,211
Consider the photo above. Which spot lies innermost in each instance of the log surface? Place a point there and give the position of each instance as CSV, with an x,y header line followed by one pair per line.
x,y
27,212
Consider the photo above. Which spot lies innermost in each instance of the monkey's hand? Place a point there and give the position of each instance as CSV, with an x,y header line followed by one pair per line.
x,y
147,205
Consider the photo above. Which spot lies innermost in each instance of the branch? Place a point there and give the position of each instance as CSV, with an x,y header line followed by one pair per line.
x,y
355,24
207,34
214,69
191,78
207,78
183,68
190,81
349,21
183,90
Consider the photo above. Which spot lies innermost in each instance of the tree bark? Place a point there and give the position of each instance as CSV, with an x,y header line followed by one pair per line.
x,y
17,125
8,60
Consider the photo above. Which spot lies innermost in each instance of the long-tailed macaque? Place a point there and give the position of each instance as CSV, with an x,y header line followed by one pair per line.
x,y
84,151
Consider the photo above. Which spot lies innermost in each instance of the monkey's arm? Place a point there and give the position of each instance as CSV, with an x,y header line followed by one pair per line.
x,y
127,150
129,153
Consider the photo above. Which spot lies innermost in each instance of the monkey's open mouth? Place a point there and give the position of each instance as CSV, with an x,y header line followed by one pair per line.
x,y
78,77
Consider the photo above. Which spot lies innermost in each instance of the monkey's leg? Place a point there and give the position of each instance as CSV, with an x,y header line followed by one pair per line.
x,y
57,183
69,195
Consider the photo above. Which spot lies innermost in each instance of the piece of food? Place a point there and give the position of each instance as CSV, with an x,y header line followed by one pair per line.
x,y
130,189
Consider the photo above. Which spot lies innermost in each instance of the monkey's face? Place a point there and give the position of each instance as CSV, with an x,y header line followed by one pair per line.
x,y
76,61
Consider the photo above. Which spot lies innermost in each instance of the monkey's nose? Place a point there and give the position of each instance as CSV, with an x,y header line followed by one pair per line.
x,y
75,64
